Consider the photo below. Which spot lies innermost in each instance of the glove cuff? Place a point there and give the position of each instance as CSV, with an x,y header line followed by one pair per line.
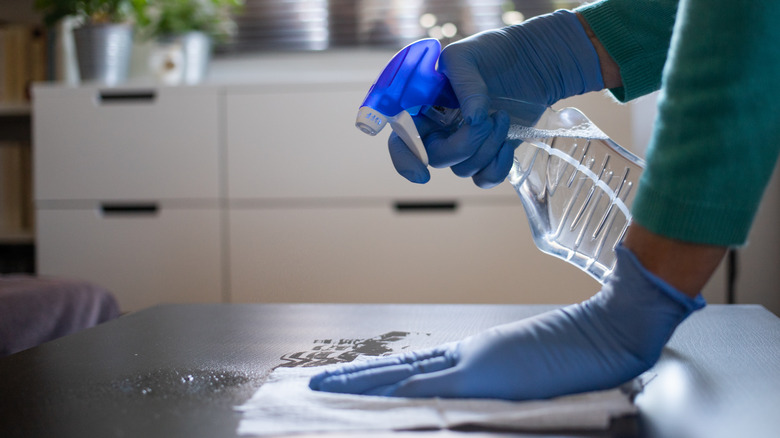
x,y
641,307
573,63
582,49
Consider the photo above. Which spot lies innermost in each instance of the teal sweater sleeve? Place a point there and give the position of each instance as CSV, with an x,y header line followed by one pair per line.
x,y
717,136
636,34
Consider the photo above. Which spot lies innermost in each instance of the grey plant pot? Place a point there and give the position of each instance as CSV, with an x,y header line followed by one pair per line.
x,y
103,52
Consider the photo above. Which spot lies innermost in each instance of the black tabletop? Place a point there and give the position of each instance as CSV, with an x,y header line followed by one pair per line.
x,y
179,370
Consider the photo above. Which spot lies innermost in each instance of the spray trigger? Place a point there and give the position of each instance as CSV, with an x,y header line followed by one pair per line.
x,y
403,125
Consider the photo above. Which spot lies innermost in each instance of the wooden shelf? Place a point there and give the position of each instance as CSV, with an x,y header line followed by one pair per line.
x,y
17,238
15,131
15,121
15,109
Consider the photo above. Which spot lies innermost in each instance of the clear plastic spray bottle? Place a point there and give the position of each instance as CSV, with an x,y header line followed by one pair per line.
x,y
576,185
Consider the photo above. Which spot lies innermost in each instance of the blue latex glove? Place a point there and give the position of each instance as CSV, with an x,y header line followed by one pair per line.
x,y
543,60
473,150
597,344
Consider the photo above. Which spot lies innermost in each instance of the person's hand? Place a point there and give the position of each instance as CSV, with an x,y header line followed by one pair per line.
x,y
542,60
477,150
597,344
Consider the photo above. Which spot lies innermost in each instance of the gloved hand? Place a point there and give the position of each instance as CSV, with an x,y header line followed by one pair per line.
x,y
542,60
597,344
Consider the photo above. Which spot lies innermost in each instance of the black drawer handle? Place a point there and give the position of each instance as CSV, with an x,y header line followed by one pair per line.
x,y
127,96
129,209
425,206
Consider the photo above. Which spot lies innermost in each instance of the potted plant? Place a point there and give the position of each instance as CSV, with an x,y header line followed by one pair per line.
x,y
185,31
103,35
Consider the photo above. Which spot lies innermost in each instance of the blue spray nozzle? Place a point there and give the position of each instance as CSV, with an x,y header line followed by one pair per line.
x,y
408,81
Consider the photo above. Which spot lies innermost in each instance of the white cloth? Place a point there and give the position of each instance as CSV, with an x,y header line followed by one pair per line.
x,y
286,405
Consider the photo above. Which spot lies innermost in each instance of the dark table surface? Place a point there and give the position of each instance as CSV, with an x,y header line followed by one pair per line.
x,y
179,370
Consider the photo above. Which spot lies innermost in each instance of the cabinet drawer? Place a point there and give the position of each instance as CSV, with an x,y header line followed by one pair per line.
x,y
302,143
93,143
474,253
144,256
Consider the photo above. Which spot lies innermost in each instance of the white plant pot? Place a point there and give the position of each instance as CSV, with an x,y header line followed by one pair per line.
x,y
182,58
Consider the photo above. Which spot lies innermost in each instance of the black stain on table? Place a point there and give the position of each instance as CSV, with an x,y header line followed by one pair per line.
x,y
334,351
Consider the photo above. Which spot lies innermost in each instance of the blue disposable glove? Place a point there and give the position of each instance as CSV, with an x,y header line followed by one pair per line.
x,y
597,344
543,60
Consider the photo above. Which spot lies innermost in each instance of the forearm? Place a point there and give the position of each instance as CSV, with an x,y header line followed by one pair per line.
x,y
683,265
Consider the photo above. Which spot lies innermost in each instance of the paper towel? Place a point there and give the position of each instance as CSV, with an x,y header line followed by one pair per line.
x,y
286,405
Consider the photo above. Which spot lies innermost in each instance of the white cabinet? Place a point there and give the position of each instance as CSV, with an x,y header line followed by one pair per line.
x,y
127,190
136,143
466,252
144,257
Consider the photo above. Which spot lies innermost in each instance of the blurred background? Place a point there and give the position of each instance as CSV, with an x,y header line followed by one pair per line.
x,y
323,24
247,181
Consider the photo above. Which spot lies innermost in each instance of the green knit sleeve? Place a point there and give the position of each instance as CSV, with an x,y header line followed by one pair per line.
x,y
717,136
636,34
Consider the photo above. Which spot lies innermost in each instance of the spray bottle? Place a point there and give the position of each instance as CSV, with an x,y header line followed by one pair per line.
x,y
576,185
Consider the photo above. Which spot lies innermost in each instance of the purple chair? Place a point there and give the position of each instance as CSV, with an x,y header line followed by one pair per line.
x,y
34,310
